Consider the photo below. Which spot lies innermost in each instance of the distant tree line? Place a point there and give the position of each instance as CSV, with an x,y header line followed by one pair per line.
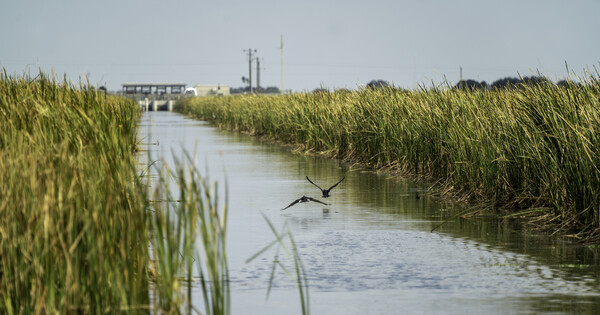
x,y
500,84
263,90
373,85
508,82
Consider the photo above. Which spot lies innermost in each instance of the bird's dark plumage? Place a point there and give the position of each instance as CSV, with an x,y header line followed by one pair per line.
x,y
326,191
304,199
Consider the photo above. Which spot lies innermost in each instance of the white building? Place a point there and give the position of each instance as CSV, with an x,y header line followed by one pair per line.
x,y
212,90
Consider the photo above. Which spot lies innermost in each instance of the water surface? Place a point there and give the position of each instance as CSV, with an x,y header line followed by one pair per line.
x,y
371,251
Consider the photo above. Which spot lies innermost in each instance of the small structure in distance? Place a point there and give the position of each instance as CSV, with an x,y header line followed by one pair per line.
x,y
156,90
208,90
154,96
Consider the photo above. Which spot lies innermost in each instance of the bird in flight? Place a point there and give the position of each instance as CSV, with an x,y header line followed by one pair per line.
x,y
325,191
304,199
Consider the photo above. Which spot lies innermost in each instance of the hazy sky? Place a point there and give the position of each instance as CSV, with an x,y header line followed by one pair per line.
x,y
335,44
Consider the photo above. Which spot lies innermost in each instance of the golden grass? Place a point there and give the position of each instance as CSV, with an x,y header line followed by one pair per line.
x,y
529,146
79,233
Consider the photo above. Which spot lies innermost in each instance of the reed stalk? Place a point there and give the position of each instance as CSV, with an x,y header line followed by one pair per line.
x,y
189,231
297,274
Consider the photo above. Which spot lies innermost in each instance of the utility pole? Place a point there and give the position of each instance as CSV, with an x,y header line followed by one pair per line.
x,y
460,74
257,75
250,51
258,68
282,91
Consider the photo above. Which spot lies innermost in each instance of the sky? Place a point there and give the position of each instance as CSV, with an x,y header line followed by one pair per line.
x,y
326,43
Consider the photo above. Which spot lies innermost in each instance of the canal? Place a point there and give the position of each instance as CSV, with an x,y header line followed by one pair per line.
x,y
372,249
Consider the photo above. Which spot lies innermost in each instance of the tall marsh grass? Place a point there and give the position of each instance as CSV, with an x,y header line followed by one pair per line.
x,y
80,232
70,217
532,147
190,232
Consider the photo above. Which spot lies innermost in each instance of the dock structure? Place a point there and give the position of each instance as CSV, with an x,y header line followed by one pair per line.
x,y
154,96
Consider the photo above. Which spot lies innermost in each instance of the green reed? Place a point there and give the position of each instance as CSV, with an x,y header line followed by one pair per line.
x,y
69,214
180,217
298,275
528,146
79,229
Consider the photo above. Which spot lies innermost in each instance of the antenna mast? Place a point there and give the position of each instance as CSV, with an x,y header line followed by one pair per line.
x,y
281,48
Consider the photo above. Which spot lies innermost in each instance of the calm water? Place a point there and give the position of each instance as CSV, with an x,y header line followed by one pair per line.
x,y
372,250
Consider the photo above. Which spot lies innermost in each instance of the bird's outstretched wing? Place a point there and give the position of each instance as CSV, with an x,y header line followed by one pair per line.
x,y
314,183
330,188
293,203
315,200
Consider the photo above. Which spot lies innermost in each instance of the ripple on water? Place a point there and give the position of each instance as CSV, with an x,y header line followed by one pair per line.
x,y
347,261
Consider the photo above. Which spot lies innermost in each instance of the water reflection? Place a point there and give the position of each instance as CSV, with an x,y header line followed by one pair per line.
x,y
371,251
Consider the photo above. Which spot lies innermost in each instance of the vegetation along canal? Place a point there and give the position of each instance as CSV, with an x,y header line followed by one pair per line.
x,y
371,250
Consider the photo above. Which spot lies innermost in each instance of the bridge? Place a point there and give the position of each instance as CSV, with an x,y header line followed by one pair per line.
x,y
154,96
